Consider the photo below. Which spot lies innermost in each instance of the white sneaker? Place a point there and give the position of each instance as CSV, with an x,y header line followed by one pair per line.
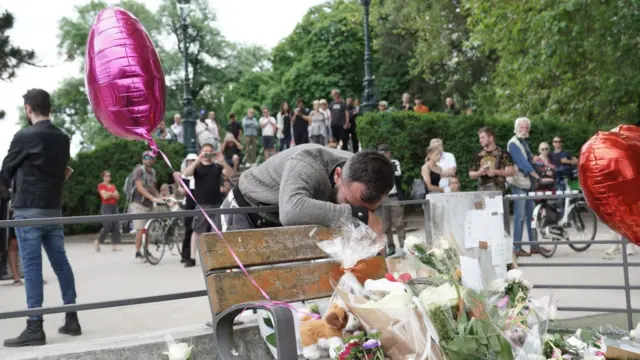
x,y
631,248
612,252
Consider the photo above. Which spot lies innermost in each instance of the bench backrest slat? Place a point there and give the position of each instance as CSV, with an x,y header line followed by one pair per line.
x,y
280,260
263,246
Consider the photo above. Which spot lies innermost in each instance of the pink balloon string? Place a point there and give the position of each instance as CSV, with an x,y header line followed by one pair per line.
x,y
156,150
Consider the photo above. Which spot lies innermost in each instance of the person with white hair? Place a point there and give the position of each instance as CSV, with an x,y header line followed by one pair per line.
x,y
383,106
518,148
406,102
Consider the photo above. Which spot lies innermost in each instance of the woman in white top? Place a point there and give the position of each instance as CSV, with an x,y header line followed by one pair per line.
x,y
318,125
207,132
324,106
269,127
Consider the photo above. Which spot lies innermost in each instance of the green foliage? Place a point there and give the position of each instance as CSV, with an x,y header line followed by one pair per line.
x,y
12,57
408,135
423,48
80,195
324,51
571,59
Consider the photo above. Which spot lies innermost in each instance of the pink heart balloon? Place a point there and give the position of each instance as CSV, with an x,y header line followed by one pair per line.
x,y
123,75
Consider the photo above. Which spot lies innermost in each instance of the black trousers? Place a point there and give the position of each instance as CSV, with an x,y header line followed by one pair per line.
x,y
354,137
339,133
188,230
301,137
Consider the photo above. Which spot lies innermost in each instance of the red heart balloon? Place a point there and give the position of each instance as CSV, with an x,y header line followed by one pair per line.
x,y
610,179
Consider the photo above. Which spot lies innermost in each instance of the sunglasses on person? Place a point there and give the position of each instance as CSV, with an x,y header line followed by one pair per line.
x,y
544,149
148,157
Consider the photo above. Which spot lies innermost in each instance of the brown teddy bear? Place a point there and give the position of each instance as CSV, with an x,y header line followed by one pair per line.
x,y
318,337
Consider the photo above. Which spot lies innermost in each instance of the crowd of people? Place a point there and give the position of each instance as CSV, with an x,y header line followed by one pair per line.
x,y
302,174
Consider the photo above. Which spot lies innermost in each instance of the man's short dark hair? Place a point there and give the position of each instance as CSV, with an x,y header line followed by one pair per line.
x,y
487,130
39,101
232,115
372,169
417,97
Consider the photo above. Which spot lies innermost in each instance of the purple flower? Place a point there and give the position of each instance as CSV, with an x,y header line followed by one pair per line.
x,y
371,344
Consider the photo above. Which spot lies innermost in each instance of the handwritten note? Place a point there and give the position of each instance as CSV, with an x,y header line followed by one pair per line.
x,y
471,273
494,205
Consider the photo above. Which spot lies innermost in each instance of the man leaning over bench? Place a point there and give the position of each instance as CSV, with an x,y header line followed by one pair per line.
x,y
311,185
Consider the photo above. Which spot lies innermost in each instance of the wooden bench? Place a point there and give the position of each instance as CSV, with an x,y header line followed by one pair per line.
x,y
281,261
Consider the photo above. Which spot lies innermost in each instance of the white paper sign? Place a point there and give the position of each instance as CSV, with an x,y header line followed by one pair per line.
x,y
499,242
494,205
473,228
471,273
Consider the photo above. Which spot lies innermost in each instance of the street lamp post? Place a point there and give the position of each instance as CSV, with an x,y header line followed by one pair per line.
x,y
189,124
368,95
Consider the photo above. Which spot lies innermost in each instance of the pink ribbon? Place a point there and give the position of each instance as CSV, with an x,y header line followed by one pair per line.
x,y
154,148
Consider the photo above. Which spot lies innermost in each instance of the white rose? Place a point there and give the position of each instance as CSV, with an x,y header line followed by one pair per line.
x,y
497,286
444,295
437,252
514,275
527,284
412,241
180,351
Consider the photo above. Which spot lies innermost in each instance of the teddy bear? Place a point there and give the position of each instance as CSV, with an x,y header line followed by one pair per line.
x,y
320,337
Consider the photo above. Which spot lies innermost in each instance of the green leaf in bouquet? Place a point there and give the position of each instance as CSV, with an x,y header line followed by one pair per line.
x,y
268,322
272,340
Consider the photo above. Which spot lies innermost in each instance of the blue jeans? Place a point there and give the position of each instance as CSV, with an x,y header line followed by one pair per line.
x,y
523,211
30,241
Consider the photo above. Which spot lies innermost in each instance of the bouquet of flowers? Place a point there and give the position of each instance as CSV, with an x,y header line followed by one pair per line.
x,y
460,315
361,346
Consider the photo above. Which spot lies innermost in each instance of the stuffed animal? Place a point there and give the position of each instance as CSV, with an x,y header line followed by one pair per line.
x,y
319,337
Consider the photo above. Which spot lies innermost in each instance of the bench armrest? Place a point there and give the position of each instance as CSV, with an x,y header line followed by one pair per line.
x,y
282,323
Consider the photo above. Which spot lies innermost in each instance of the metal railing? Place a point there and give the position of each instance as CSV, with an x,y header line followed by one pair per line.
x,y
627,287
628,310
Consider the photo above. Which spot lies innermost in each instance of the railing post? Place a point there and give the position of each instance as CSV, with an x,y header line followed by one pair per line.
x,y
505,213
627,290
426,208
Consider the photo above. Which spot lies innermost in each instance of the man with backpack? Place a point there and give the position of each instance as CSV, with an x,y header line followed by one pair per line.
x,y
142,192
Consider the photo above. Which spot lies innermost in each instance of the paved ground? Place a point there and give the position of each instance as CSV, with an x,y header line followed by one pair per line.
x,y
108,276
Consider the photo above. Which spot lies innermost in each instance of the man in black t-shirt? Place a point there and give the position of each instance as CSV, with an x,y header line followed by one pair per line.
x,y
301,124
207,172
234,127
339,119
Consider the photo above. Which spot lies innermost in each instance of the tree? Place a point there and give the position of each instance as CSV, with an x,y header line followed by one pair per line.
x,y
11,57
324,51
435,37
573,59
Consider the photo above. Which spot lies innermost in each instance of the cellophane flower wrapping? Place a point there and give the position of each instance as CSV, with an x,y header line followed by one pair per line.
x,y
354,243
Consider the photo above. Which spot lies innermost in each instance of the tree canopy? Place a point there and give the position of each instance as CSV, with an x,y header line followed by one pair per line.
x,y
573,60
12,57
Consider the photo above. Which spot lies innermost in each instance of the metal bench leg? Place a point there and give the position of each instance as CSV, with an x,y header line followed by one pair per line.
x,y
282,324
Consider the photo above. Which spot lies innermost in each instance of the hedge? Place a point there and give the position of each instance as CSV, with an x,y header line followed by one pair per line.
x,y
80,196
408,135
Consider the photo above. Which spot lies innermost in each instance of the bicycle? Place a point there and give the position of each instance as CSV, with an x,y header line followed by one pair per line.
x,y
163,233
553,218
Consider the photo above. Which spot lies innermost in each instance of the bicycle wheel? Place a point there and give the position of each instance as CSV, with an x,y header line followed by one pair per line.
x,y
584,224
154,241
176,234
545,250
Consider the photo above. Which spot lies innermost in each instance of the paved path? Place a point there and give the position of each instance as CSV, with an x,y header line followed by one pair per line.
x,y
108,276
